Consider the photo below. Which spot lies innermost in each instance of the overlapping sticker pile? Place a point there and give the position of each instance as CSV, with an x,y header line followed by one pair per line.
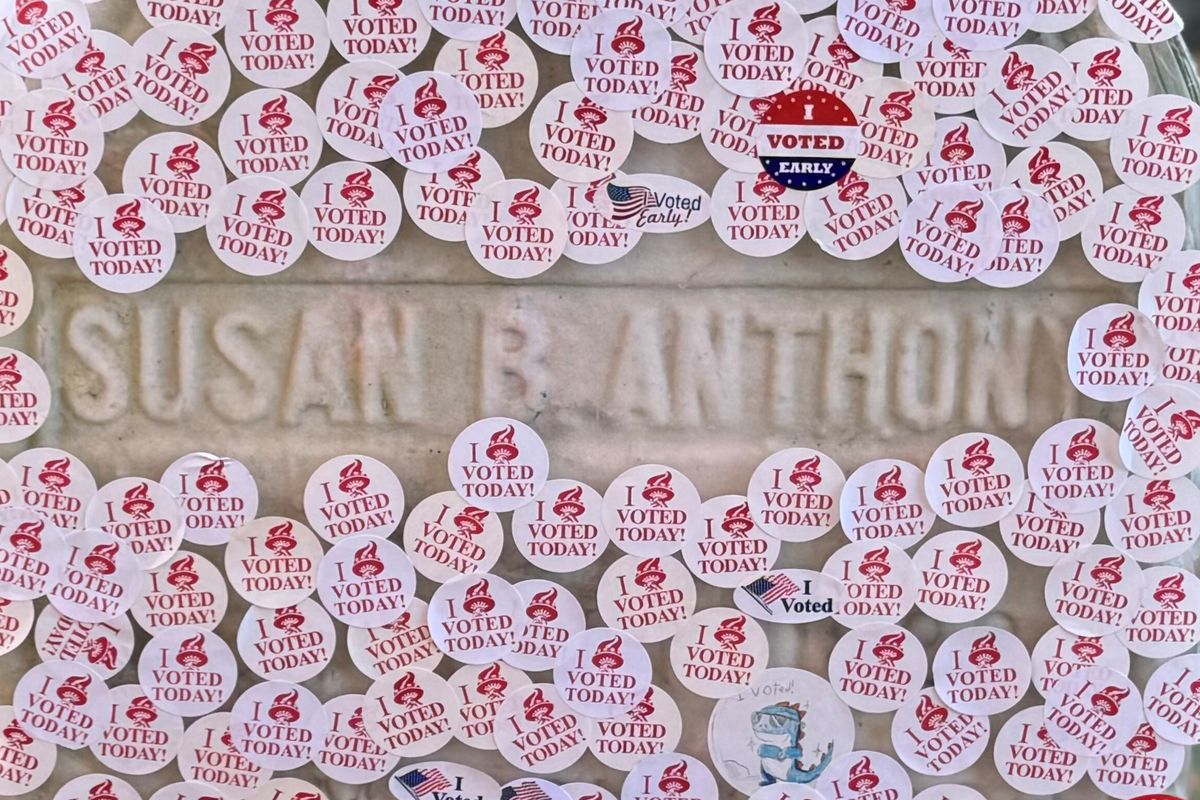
x,y
540,685
782,95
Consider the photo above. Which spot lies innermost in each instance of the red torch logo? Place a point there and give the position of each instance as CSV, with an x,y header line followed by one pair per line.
x,y
683,71
478,599
92,60
182,574
137,502
1014,218
356,189
10,375
569,504
428,102
194,59
964,217
627,42
492,52
1016,72
930,715
1105,67
984,652
490,683
889,487
608,655
889,649
1169,593
367,563
875,566
764,23
274,117
862,777
674,779
182,161
1175,124
537,708
525,207
649,575
281,15
965,558
59,118
284,707
269,206
542,606
191,653
1108,571
100,560
658,490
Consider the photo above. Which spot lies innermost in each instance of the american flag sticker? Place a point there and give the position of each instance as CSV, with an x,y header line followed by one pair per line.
x,y
423,782
527,789
789,595
653,203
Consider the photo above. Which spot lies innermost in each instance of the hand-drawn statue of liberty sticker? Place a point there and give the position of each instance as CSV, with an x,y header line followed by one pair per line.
x,y
786,727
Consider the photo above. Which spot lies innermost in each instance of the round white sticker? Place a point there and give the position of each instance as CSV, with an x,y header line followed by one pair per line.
x,y
429,121
1143,21
1040,535
675,115
602,672
62,702
27,762
1114,352
950,75
1131,234
789,725
293,643
983,26
538,732
577,140
933,739
473,21
1094,591
1075,466
1166,623
1030,95
51,140
404,642
1065,177
1093,711
1059,652
1172,700
16,290
652,725
792,494
974,479
103,646
217,494
270,133
1155,147
177,173
187,671
516,229
277,43
178,74
1143,762
43,38
1154,520
863,773
961,152
474,618
347,108
592,237
140,738
31,550
1111,77
498,463
719,652
353,210
649,597
207,755
669,775
886,31
879,579
410,712
16,621
366,581
951,232
391,31
552,616
621,59
1030,761
123,243
278,725
272,562
481,690
896,126
756,215
353,495
885,500
728,548
857,217
961,576
1030,243
349,754
187,589
649,509
97,581
500,69
100,78
438,202
752,47
981,671
877,668
446,537
562,529
54,483
258,226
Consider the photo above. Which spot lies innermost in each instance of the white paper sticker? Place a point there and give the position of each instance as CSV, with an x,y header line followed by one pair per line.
x,y
410,712
472,20
1143,21
54,483
258,226
62,702
949,74
481,691
974,479
405,642
728,548
669,775
961,576
1030,761
187,671
562,529
270,133
102,646
366,581
885,500
473,618
753,47
207,755
756,215
1166,623
794,596
438,202
951,233
429,121
97,581
896,126
592,238
654,203
1030,243
784,709
648,597
863,773
933,739
177,173
1040,535
100,78
217,495
354,210
140,738
793,492
1154,520
981,671
879,579
621,59
498,463
1059,652
1144,762
961,152
293,643
178,74
51,140
886,32
278,725
277,43
648,510
856,218
500,69
123,244
516,229
1131,234
272,562
1172,700
347,108
1111,77
832,65
538,732
349,754
1114,352
1064,176
602,672
27,762
187,589
877,668
391,31
676,115
1155,147
446,537
652,725
1095,591
577,140
43,38
552,615
1093,711
31,551
1075,466
1030,95
719,652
